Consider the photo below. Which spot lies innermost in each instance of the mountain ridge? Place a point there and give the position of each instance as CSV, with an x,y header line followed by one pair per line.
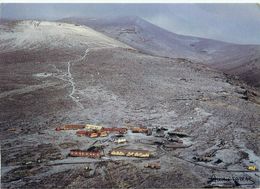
x,y
152,39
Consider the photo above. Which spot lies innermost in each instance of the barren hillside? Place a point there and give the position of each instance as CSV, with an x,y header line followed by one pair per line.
x,y
55,73
239,60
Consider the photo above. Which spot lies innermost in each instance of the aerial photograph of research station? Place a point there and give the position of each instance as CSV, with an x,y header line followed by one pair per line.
x,y
129,95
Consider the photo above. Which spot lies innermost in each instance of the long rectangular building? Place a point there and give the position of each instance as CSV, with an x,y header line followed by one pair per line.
x,y
130,153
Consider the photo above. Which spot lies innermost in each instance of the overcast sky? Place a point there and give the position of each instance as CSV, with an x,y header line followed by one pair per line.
x,y
237,23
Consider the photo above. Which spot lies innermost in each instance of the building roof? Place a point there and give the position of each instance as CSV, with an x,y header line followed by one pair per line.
x,y
130,150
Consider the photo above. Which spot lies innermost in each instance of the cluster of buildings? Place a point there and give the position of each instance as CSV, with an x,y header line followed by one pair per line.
x,y
94,131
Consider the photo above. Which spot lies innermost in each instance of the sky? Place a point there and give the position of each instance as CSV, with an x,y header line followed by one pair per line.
x,y
236,23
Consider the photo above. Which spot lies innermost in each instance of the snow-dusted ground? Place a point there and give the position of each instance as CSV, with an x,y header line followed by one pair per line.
x,y
240,60
73,74
35,34
53,35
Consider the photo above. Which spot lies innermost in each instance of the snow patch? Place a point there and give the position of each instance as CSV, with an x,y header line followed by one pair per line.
x,y
43,75
34,34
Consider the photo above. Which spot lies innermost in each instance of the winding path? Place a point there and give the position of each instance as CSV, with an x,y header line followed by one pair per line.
x,y
71,79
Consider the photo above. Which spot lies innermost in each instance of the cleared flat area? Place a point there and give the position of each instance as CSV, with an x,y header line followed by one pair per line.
x,y
108,83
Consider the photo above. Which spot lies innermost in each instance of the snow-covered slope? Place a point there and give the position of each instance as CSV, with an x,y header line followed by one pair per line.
x,y
53,35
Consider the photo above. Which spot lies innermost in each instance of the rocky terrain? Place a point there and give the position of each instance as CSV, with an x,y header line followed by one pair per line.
x,y
55,73
240,60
